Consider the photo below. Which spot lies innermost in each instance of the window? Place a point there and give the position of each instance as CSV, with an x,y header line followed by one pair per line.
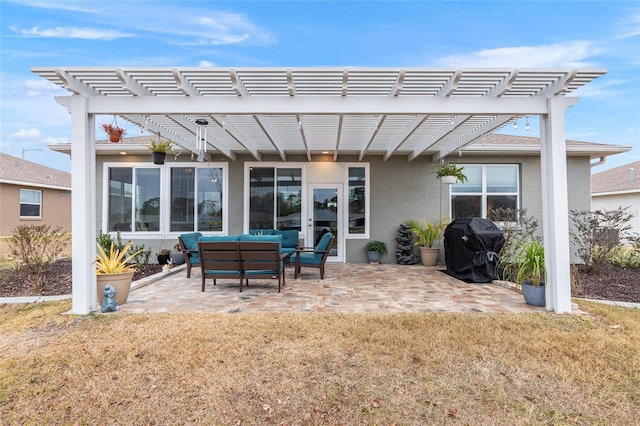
x,y
30,203
196,199
275,200
490,190
357,209
135,199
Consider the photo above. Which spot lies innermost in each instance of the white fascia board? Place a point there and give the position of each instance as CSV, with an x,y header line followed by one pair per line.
x,y
625,192
593,152
336,105
34,184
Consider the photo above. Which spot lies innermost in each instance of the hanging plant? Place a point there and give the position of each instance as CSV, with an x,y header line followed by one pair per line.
x,y
451,170
115,133
159,149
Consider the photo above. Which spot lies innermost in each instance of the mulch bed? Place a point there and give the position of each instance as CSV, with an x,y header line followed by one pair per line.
x,y
58,281
611,283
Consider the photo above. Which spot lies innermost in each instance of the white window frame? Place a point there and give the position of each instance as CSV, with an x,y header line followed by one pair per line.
x,y
165,194
483,193
247,189
31,204
367,195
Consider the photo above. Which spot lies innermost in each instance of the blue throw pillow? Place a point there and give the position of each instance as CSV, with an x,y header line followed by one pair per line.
x,y
289,237
190,240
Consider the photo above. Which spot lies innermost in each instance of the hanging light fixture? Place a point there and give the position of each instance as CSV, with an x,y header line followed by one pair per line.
x,y
526,125
515,124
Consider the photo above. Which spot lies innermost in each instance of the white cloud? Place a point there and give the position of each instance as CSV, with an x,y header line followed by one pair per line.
x,y
55,141
26,134
73,32
32,88
206,64
214,28
567,55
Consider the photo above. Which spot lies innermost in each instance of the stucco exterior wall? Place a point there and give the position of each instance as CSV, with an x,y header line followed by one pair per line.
x,y
400,190
615,201
55,209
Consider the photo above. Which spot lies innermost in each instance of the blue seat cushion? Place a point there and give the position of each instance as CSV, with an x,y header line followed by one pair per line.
x,y
213,238
261,238
222,272
262,272
307,258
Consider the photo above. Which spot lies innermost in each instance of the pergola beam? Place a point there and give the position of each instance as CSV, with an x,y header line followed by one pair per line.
x,y
315,105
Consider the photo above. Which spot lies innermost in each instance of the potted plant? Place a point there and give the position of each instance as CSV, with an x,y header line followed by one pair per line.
x,y
177,257
427,233
159,149
163,256
451,173
115,268
375,250
528,271
115,133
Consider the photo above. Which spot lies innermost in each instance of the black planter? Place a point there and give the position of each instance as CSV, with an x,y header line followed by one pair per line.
x,y
158,157
163,259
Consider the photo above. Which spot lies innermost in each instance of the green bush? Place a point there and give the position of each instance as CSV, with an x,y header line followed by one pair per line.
x,y
35,248
140,253
597,233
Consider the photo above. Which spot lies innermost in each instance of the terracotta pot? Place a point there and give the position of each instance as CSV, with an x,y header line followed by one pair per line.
x,y
122,283
113,137
429,256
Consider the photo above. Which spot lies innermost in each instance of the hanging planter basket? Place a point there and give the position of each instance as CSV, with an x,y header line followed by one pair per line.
x,y
448,180
114,131
158,157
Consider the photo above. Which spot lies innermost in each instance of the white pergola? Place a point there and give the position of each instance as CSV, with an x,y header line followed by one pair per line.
x,y
386,112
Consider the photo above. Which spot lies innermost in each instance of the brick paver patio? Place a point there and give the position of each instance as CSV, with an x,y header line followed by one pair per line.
x,y
347,288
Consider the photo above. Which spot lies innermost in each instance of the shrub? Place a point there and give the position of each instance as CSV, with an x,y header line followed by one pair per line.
x,y
627,257
597,233
517,231
139,255
36,248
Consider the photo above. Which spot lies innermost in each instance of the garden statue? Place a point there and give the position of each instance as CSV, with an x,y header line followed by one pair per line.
x,y
109,303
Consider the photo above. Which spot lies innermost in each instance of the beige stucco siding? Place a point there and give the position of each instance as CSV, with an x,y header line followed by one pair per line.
x,y
55,208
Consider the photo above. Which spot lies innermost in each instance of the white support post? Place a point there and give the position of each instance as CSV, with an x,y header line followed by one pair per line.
x,y
553,154
83,206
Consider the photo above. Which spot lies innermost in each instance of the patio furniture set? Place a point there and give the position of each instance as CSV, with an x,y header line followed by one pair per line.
x,y
257,255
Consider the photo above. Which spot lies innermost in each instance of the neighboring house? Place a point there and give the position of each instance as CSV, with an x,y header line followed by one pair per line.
x,y
31,193
354,149
618,187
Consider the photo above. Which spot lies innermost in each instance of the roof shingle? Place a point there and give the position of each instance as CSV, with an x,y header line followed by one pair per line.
x,y
13,169
622,178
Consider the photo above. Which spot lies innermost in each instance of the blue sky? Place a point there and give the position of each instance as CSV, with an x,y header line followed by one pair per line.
x,y
516,34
